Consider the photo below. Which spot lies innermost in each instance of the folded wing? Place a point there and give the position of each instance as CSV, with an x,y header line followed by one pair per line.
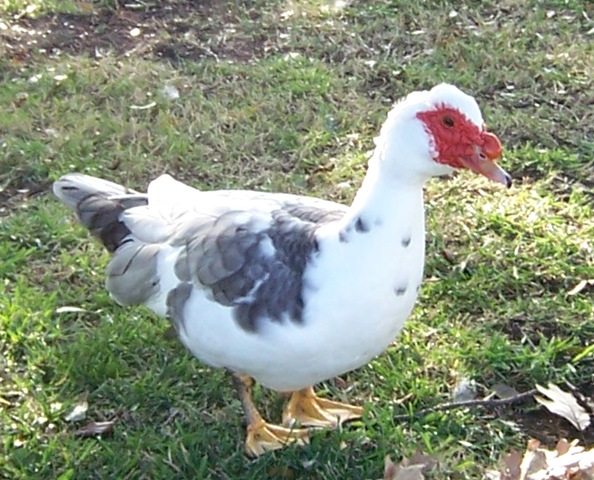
x,y
243,250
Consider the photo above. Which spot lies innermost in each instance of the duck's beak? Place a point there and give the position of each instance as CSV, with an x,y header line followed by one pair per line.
x,y
483,160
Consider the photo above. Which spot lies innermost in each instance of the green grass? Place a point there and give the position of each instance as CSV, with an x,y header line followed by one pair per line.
x,y
288,96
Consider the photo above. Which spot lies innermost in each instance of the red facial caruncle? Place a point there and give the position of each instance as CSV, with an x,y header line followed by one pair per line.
x,y
459,143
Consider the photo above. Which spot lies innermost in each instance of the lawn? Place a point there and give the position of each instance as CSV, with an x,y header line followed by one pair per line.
x,y
287,96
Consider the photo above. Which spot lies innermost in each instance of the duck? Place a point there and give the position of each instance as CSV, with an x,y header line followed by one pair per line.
x,y
288,290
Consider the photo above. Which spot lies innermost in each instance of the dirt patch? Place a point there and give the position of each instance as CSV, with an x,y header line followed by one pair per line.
x,y
171,31
549,428
520,328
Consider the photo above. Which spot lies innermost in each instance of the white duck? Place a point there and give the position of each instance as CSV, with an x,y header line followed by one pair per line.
x,y
284,289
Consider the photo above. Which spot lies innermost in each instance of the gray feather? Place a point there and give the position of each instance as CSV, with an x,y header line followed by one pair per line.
x,y
233,260
98,205
132,273
252,261
176,302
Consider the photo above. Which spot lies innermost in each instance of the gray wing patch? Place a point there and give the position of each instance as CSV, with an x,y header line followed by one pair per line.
x,y
252,265
176,302
224,254
132,273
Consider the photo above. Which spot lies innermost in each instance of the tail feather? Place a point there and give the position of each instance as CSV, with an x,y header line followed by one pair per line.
x,y
98,205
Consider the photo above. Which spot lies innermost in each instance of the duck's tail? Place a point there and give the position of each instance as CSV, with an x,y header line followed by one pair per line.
x,y
131,276
98,204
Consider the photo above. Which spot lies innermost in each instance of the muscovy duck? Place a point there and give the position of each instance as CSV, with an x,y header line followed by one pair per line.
x,y
284,289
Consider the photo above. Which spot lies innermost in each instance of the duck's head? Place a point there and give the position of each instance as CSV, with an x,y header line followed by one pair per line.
x,y
437,131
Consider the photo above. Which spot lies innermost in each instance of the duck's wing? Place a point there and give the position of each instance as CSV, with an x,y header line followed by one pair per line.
x,y
243,250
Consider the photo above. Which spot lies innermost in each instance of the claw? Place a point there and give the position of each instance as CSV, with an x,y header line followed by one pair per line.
x,y
263,437
306,408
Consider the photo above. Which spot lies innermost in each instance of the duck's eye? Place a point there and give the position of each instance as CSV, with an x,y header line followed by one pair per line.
x,y
447,121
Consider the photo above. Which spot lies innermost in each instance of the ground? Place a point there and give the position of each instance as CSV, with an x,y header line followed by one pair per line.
x,y
287,96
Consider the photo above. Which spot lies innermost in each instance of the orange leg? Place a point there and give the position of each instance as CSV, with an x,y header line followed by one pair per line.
x,y
262,436
306,408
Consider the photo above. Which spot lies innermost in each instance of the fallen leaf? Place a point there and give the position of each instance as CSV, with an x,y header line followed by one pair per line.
x,y
78,413
567,461
93,429
563,404
389,468
576,463
562,446
534,460
511,466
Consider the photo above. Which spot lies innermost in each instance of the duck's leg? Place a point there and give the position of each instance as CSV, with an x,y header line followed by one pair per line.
x,y
306,408
262,436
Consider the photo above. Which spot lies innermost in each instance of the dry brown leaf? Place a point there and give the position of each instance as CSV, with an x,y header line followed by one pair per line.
x,y
93,429
534,460
576,464
389,468
562,446
510,469
567,461
565,405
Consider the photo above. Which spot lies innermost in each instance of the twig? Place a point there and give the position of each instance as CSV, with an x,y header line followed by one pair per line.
x,y
484,403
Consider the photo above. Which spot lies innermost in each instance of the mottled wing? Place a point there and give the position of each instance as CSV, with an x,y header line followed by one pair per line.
x,y
252,261
244,250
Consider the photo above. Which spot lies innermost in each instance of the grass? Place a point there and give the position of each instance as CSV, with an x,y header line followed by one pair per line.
x,y
288,96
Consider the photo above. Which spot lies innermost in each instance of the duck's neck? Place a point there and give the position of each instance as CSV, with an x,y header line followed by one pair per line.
x,y
387,200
